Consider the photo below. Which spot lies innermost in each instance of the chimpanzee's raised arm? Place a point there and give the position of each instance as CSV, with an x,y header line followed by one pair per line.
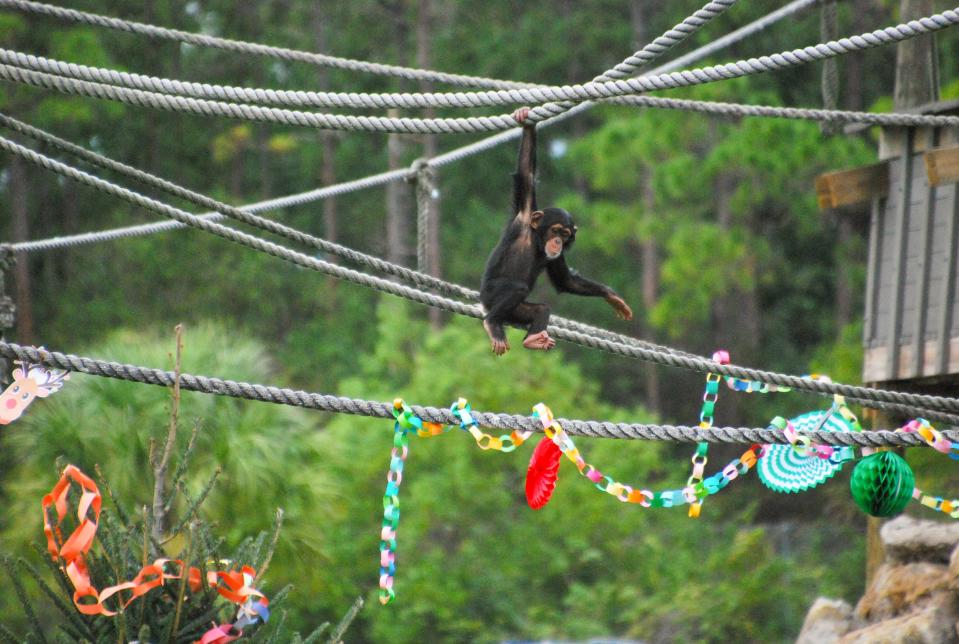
x,y
524,179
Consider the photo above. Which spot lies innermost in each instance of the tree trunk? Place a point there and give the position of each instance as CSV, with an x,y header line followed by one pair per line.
x,y
424,55
398,222
917,68
648,248
19,188
649,253
327,137
735,314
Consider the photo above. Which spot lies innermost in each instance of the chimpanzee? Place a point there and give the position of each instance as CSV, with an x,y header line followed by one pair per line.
x,y
533,240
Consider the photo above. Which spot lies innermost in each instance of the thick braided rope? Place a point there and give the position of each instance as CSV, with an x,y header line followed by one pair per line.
x,y
863,395
418,278
340,99
588,91
390,176
352,100
340,404
282,53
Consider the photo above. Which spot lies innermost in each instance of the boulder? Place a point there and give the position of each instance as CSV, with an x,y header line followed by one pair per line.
x,y
826,621
935,623
954,570
906,539
897,589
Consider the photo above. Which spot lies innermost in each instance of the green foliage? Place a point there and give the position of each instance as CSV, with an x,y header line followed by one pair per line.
x,y
475,564
267,453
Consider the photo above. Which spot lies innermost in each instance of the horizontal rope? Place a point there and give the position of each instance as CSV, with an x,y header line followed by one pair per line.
x,y
390,176
343,405
349,254
282,53
355,100
588,91
863,395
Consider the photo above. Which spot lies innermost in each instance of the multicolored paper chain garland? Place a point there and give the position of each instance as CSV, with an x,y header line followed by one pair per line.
x,y
690,494
940,443
406,420
697,488
701,457
234,585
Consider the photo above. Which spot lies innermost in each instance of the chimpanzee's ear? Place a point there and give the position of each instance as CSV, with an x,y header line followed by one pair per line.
x,y
534,219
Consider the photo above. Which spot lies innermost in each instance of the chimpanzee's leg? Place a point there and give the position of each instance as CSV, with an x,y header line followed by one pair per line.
x,y
536,318
500,299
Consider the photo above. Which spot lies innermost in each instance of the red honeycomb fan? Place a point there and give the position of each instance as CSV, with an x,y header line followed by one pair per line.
x,y
542,473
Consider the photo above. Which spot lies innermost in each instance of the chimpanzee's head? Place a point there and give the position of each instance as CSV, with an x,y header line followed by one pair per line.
x,y
555,231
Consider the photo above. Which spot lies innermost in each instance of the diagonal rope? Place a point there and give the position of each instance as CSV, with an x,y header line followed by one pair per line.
x,y
343,405
557,96
452,156
864,395
417,278
282,53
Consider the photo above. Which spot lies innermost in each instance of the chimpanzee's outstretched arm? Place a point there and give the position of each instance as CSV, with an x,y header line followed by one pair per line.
x,y
567,280
524,179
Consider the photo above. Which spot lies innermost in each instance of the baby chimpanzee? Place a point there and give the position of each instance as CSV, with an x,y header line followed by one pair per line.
x,y
533,240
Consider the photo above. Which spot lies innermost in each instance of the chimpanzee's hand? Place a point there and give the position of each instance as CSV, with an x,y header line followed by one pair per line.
x,y
520,115
622,309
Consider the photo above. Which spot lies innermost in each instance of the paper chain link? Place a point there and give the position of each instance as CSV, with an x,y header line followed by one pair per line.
x,y
938,442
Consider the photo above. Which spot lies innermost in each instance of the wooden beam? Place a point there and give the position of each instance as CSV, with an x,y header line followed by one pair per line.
x,y
847,187
942,165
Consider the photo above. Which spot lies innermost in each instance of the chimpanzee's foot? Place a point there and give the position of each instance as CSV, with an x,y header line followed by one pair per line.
x,y
500,346
539,341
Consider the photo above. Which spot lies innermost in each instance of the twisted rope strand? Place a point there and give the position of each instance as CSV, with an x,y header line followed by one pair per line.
x,y
558,96
343,405
417,278
864,395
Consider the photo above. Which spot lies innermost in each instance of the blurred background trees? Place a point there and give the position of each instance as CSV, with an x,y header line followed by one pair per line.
x,y
707,226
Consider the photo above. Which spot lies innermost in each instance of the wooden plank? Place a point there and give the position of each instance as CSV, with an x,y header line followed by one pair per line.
x,y
924,215
869,326
947,294
900,248
942,165
847,187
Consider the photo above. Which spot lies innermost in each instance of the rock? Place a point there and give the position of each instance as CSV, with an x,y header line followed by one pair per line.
x,y
954,570
933,624
826,621
906,539
900,588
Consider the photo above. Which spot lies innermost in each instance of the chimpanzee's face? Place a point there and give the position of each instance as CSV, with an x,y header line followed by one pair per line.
x,y
555,231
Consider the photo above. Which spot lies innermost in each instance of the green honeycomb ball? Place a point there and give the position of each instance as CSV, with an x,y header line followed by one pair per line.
x,y
882,484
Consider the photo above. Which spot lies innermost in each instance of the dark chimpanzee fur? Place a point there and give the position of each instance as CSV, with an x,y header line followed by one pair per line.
x,y
533,240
